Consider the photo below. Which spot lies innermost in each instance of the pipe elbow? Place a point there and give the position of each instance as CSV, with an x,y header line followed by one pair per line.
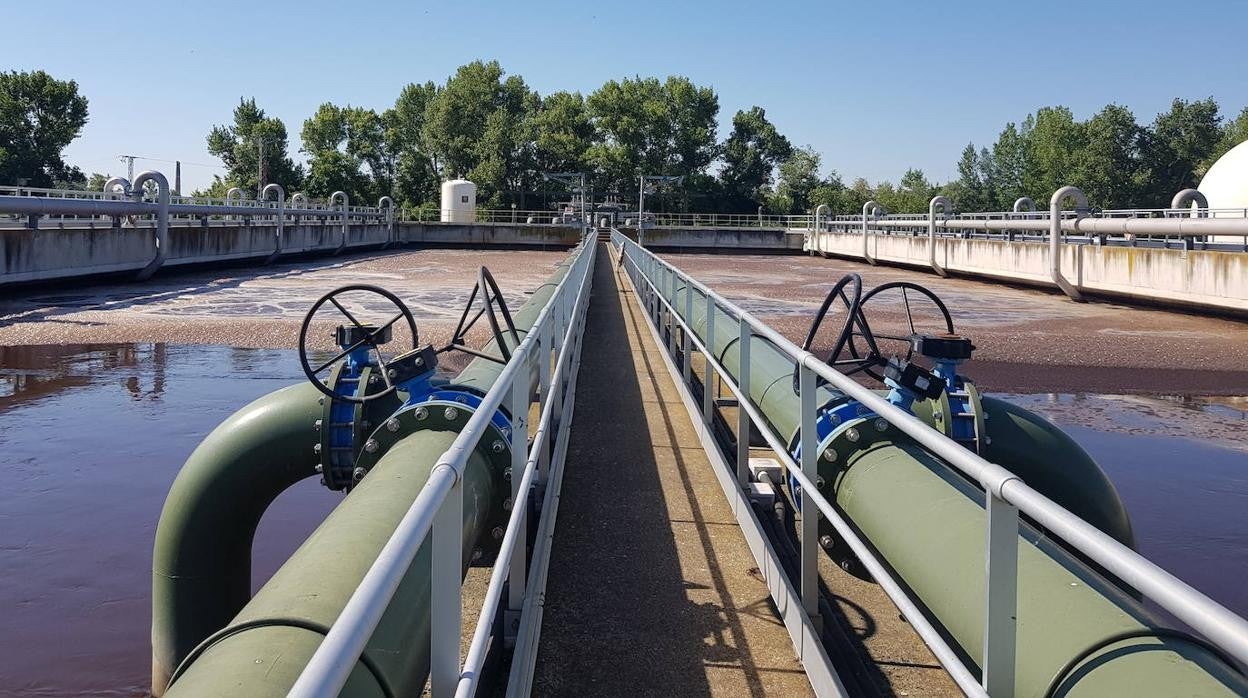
x,y
201,560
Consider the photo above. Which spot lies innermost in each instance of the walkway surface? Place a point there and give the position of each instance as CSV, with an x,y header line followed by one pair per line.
x,y
652,589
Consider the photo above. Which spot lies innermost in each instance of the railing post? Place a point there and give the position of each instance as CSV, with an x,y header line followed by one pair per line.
x,y
518,405
686,370
743,417
671,311
708,376
810,511
1001,591
543,380
445,622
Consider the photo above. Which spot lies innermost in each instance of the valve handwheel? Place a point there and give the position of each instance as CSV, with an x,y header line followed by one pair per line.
x,y
492,305
372,338
871,356
849,292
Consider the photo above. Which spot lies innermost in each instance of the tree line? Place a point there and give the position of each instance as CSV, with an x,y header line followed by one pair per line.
x,y
492,128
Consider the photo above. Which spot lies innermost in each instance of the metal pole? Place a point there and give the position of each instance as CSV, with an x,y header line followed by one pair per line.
x,y
810,511
945,208
1001,590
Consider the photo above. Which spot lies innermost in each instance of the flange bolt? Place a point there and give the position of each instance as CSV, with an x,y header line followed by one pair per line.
x,y
826,542
370,445
507,504
829,454
358,474
498,446
451,414
507,474
851,434
421,413
881,424
392,424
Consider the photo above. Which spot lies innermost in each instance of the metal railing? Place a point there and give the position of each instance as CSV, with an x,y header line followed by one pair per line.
x,y
436,515
1006,494
714,220
492,216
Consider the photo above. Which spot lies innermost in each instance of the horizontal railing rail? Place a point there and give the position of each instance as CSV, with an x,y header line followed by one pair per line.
x,y
436,513
1006,494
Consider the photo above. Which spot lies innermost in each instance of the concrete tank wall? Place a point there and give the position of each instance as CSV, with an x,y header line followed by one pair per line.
x,y
1198,278
741,239
29,256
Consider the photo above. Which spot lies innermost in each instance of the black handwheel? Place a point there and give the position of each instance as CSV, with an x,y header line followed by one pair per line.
x,y
872,353
370,338
849,291
492,305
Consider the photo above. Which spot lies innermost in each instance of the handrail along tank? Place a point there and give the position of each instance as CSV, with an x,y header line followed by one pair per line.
x,y
370,425
926,521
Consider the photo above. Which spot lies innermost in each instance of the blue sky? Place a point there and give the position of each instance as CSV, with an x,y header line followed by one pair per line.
x,y
875,87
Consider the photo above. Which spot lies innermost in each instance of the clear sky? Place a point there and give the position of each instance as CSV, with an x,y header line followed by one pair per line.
x,y
875,87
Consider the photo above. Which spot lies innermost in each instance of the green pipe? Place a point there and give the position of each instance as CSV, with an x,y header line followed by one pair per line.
x,y
264,649
927,523
291,613
201,562
1025,443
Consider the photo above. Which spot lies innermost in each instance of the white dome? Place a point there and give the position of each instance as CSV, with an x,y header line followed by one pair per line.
x,y
1225,185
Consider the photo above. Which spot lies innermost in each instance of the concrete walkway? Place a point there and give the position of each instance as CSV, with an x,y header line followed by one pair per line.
x,y
652,590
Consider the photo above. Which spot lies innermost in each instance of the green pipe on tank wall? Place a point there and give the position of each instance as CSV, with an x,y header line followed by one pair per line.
x,y
927,523
226,654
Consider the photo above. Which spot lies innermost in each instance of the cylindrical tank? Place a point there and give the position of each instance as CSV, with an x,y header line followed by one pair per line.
x,y
459,201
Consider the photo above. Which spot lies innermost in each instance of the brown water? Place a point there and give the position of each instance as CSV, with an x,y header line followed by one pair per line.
x,y
93,435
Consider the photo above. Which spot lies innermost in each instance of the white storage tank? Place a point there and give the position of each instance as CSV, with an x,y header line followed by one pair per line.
x,y
459,201
1225,185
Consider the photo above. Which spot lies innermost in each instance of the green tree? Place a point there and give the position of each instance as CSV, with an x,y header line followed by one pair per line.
x,y
479,126
1051,147
651,127
416,176
39,117
799,176
1009,164
750,155
972,191
1233,134
563,133
1108,168
340,142
1177,144
238,145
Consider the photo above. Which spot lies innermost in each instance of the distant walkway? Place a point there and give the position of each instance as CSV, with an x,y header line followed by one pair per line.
x,y
652,589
